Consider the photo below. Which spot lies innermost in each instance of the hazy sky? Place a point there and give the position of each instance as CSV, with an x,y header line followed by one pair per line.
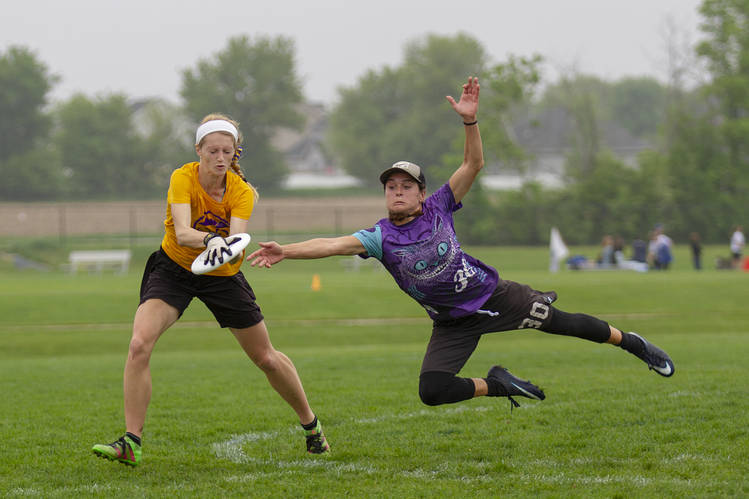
x,y
140,47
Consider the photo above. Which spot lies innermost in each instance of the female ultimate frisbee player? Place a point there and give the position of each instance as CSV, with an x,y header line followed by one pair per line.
x,y
207,201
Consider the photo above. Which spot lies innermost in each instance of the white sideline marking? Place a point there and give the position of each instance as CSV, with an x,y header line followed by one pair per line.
x,y
232,450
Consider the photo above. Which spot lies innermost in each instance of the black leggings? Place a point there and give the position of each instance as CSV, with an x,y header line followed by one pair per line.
x,y
582,326
437,387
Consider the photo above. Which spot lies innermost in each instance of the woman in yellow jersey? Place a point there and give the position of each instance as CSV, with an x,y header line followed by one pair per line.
x,y
207,201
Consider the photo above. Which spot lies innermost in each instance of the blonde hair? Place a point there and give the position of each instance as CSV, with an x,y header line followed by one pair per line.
x,y
237,147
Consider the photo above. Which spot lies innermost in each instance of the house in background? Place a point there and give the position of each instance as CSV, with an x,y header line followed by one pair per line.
x,y
304,150
547,139
544,135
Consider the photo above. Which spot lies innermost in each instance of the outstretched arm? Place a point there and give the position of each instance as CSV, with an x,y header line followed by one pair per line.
x,y
271,252
473,155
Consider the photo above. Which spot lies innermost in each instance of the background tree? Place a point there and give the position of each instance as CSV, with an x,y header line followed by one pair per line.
x,y
166,137
256,84
28,166
726,53
401,113
100,149
510,88
24,85
638,105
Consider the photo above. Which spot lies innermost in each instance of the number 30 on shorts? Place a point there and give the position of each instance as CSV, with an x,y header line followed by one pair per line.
x,y
539,312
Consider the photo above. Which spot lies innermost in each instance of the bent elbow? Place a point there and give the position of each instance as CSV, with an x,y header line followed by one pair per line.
x,y
181,236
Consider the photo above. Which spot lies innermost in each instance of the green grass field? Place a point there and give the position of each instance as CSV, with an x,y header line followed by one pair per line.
x,y
215,428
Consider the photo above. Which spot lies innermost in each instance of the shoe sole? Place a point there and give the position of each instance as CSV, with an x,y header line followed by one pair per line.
x,y
669,370
540,395
110,458
526,393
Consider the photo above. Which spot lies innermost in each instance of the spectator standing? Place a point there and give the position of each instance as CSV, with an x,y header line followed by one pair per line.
x,y
737,246
696,246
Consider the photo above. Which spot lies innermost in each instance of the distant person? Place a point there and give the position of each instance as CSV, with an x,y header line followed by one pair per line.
x,y
737,246
207,201
618,248
652,247
695,246
662,249
464,297
606,256
639,251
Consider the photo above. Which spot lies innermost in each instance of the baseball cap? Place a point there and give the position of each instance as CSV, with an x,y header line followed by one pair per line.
x,y
411,169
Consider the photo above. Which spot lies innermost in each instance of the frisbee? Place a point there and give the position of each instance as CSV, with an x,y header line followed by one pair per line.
x,y
236,242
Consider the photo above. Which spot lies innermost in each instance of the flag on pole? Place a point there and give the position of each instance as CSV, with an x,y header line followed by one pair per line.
x,y
557,249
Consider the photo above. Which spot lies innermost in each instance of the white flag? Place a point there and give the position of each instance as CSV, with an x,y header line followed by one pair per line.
x,y
557,249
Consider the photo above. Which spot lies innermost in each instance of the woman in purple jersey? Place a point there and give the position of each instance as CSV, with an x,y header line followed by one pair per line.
x,y
464,297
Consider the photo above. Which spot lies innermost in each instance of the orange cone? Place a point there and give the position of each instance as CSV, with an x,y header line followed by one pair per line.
x,y
315,283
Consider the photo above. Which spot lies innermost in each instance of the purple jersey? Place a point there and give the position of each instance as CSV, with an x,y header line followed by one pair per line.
x,y
425,258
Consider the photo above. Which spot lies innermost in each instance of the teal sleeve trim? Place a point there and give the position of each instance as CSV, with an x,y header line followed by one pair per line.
x,y
371,240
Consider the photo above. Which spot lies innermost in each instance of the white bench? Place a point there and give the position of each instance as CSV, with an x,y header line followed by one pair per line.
x,y
98,260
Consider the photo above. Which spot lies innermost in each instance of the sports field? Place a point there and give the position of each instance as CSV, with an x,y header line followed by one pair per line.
x,y
215,428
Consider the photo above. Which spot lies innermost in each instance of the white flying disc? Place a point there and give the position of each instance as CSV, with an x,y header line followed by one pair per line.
x,y
236,242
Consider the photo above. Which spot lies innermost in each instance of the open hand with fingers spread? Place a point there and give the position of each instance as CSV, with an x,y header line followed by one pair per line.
x,y
217,249
468,105
268,254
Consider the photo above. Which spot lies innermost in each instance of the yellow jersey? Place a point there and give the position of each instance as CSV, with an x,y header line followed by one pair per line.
x,y
206,214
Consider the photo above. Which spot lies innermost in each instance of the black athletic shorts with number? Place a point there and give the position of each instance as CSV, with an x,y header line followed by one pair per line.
x,y
230,298
511,306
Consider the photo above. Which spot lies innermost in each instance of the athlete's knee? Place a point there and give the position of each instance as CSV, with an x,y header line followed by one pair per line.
x,y
140,349
436,388
267,360
431,386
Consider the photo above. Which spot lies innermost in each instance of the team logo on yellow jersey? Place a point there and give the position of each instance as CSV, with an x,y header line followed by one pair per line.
x,y
210,222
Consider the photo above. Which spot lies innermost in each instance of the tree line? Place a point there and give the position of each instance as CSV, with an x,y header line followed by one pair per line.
x,y
693,176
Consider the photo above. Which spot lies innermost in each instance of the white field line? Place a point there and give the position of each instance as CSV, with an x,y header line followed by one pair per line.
x,y
232,450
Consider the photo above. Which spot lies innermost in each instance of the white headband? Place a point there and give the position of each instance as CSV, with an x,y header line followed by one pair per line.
x,y
215,126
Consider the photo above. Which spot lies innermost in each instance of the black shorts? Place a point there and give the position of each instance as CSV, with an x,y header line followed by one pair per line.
x,y
230,298
511,306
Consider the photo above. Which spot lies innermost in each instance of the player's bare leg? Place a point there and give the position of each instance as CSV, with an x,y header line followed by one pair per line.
x,y
152,318
283,377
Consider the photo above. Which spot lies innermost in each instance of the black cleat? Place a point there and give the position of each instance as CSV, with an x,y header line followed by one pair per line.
x,y
513,386
654,357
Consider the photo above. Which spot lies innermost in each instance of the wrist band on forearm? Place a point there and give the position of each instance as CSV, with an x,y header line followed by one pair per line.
x,y
471,123
208,237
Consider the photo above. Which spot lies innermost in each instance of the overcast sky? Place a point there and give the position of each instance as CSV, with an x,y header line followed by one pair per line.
x,y
140,47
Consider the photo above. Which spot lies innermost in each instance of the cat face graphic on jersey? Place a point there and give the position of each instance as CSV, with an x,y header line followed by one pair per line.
x,y
426,259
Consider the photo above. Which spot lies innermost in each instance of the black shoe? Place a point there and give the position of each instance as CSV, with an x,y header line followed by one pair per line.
x,y
513,386
654,357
